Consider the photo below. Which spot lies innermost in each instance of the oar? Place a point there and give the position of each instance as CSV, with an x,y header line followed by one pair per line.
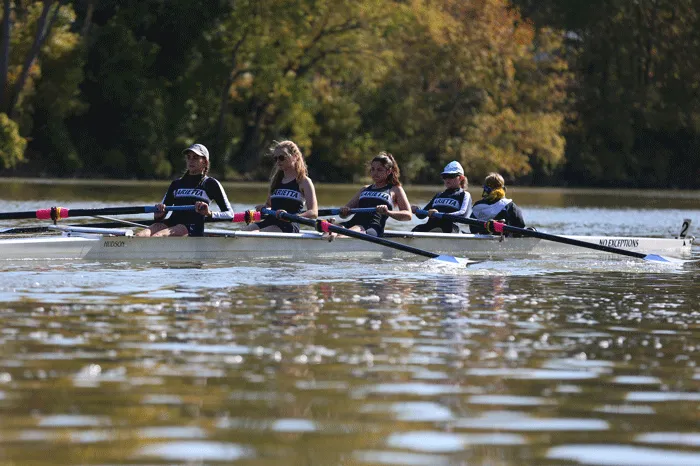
x,y
325,226
360,210
57,213
498,227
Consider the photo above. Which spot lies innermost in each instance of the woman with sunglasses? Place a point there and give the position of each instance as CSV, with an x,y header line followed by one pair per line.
x,y
194,187
454,200
290,189
494,205
385,194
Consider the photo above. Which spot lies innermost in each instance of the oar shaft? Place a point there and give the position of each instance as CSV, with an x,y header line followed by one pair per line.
x,y
57,213
498,227
327,226
336,211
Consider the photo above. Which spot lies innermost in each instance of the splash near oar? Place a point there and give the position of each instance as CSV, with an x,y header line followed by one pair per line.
x,y
58,213
324,226
497,227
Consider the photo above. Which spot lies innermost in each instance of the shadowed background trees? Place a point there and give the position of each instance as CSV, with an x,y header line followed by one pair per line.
x,y
546,92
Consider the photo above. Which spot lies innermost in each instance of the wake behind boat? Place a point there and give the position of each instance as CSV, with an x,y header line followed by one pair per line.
x,y
77,243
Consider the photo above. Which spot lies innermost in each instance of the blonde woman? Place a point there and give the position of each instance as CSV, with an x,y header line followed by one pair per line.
x,y
290,190
494,205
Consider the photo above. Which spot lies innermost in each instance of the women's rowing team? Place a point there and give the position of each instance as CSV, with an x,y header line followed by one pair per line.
x,y
291,191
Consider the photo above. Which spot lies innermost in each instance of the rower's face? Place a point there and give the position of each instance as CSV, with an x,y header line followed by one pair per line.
x,y
451,181
195,163
282,158
378,172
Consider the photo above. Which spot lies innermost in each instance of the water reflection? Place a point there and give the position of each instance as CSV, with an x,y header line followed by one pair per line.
x,y
363,362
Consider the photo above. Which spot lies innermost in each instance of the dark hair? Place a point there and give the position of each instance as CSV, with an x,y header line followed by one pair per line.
x,y
389,162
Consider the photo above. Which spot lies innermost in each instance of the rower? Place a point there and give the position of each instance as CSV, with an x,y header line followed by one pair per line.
x,y
454,200
290,189
193,187
494,205
384,194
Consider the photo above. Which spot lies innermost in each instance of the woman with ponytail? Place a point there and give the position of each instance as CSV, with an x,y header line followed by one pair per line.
x,y
494,205
193,187
290,190
385,194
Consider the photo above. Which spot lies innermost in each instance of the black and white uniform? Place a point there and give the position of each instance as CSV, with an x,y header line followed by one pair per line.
x,y
372,197
456,202
503,210
287,196
190,189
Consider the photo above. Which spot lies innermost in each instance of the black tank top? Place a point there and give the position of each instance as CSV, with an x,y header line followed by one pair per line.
x,y
287,196
373,197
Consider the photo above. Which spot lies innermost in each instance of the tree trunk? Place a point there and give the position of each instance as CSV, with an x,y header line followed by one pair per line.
x,y
250,146
5,53
42,31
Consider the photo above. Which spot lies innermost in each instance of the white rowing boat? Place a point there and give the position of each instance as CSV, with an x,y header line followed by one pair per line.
x,y
114,244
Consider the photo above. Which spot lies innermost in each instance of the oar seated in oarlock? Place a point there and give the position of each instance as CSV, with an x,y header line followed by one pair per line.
x,y
325,226
497,227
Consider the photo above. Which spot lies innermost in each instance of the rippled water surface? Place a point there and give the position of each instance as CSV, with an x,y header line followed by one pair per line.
x,y
516,361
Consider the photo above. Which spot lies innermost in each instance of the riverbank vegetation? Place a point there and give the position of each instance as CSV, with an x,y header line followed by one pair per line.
x,y
599,93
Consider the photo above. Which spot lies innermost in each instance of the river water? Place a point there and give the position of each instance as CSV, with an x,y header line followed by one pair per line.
x,y
508,362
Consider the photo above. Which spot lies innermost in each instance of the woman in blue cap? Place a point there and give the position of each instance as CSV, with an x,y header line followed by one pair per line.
x,y
194,187
454,200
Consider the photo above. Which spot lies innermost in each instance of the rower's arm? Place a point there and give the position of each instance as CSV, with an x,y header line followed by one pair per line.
x,y
307,188
404,213
219,196
354,202
465,209
168,199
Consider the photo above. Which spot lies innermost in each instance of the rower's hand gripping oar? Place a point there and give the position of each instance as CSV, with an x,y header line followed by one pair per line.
x,y
57,213
497,227
325,226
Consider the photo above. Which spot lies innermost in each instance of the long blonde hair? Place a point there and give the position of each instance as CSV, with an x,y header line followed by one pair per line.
x,y
389,162
292,150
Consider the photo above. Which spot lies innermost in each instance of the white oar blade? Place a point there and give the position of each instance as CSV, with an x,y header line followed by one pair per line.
x,y
457,261
667,260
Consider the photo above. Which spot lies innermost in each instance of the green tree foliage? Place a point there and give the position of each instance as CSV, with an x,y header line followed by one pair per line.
x,y
636,90
11,143
599,92
475,86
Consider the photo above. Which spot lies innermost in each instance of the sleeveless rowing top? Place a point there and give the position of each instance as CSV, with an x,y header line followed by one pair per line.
x,y
373,197
287,196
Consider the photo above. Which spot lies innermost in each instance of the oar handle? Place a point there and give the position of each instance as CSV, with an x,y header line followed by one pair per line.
x,y
499,227
336,211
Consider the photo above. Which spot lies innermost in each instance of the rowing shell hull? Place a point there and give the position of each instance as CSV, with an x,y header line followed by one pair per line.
x,y
245,245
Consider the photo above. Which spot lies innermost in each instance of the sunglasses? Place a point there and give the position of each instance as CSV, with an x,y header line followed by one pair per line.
x,y
449,176
488,189
279,158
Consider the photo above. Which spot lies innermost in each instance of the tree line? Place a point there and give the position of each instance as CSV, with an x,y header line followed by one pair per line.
x,y
546,92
